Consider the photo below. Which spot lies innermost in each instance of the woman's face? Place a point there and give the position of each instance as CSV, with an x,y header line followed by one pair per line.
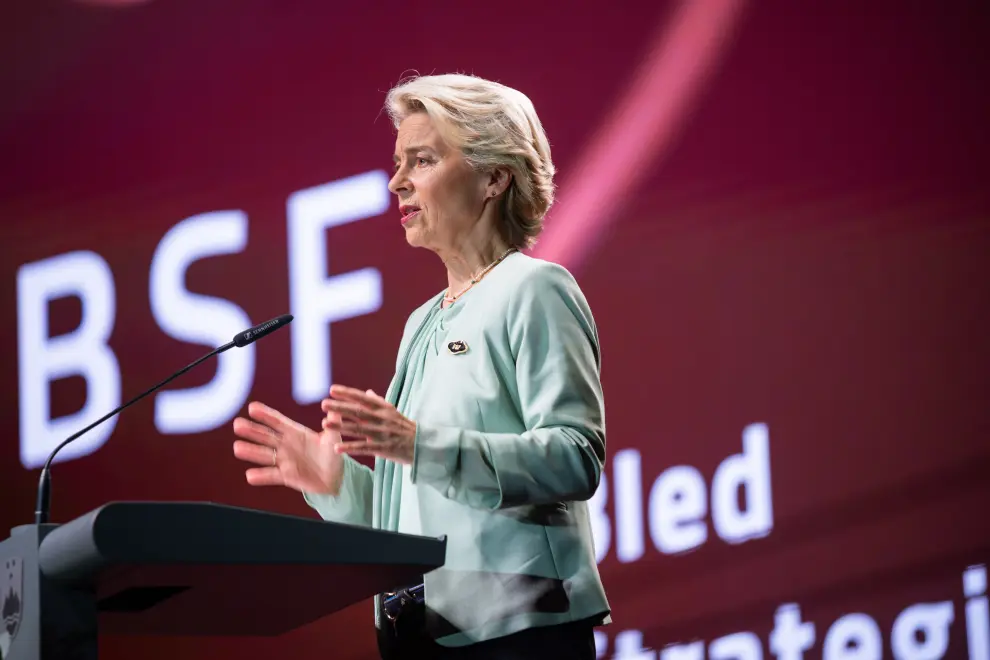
x,y
441,197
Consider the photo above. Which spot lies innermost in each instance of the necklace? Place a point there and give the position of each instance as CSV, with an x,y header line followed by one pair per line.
x,y
450,300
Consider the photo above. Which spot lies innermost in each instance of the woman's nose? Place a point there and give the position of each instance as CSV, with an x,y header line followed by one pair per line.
x,y
398,183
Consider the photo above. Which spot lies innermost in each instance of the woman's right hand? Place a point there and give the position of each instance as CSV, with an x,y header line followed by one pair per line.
x,y
289,453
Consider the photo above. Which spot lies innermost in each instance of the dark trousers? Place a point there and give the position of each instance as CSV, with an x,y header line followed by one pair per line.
x,y
408,639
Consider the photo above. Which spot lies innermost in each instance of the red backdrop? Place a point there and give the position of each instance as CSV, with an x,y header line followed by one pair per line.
x,y
777,210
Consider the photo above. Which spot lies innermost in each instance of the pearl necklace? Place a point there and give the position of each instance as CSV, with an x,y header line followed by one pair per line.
x,y
450,300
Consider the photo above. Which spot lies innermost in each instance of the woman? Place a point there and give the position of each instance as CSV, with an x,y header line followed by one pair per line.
x,y
492,431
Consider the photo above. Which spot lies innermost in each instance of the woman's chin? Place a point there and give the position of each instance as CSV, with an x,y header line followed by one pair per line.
x,y
414,237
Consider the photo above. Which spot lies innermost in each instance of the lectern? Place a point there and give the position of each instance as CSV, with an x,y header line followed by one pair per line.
x,y
190,568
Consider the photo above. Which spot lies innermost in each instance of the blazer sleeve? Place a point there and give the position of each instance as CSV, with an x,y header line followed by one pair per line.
x,y
352,504
560,456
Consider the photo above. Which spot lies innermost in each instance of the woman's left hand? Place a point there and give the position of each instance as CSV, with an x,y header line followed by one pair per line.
x,y
385,431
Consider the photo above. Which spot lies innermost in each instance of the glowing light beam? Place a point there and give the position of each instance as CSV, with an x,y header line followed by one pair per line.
x,y
680,61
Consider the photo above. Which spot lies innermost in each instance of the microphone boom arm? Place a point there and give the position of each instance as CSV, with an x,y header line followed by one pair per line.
x,y
43,503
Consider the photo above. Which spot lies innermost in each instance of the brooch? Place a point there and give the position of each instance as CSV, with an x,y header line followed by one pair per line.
x,y
457,347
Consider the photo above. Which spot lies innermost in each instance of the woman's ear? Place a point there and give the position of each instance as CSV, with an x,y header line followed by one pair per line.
x,y
499,179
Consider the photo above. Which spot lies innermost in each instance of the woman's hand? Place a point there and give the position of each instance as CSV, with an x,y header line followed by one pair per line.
x,y
291,454
383,431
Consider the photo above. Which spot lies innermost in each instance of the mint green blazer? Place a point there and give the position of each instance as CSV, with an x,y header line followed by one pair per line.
x,y
510,445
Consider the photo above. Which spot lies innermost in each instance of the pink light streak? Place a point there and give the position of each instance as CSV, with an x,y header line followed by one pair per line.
x,y
681,59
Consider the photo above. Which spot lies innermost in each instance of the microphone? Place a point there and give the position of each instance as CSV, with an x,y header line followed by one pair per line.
x,y
259,331
240,340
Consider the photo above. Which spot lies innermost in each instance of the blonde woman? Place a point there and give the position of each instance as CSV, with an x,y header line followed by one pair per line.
x,y
492,431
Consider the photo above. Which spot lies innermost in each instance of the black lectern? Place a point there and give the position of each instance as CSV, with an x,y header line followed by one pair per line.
x,y
190,568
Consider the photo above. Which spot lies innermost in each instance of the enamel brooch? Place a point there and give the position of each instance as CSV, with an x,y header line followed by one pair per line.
x,y
457,347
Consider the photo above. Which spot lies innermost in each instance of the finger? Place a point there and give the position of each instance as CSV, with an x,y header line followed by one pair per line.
x,y
270,417
356,446
358,429
351,394
364,451
325,405
352,411
253,453
255,432
345,392
265,476
378,400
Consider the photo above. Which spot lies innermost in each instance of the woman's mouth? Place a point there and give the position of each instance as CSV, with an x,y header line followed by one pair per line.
x,y
408,212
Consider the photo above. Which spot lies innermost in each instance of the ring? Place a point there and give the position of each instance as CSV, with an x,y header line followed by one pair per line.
x,y
274,457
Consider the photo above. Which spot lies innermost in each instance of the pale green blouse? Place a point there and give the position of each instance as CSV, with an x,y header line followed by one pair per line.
x,y
423,352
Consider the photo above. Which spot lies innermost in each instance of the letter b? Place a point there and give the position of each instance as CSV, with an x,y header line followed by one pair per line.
x,y
83,352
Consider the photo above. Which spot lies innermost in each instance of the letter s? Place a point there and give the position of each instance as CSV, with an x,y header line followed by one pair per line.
x,y
200,319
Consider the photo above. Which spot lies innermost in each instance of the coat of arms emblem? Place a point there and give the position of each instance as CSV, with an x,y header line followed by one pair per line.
x,y
11,606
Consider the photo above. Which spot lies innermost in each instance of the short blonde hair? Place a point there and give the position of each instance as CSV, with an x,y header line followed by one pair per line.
x,y
493,126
